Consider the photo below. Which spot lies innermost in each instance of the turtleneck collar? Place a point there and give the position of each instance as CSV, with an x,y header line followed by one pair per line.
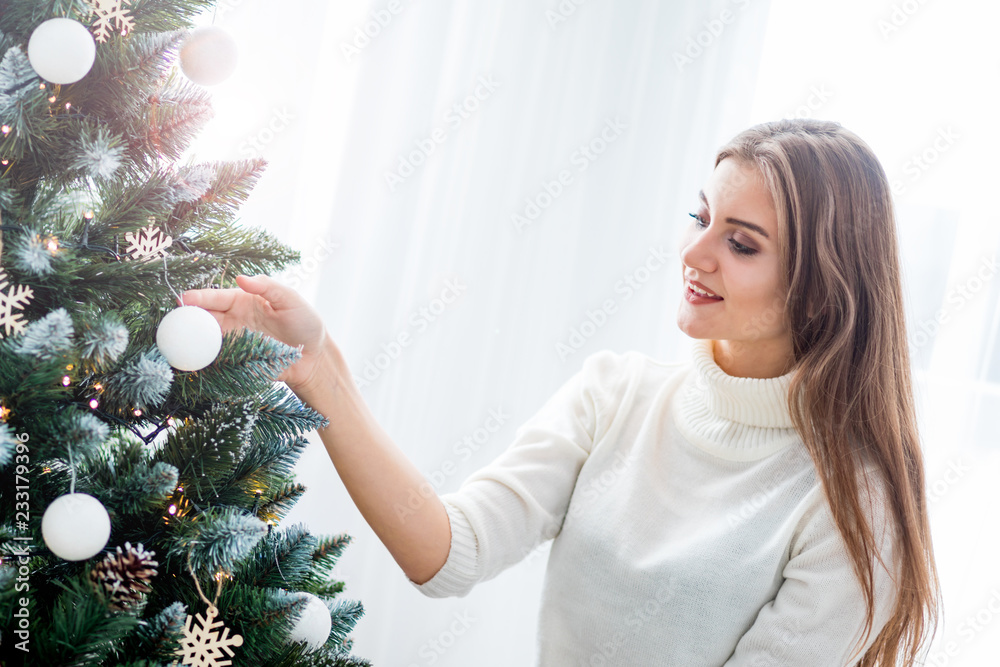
x,y
733,417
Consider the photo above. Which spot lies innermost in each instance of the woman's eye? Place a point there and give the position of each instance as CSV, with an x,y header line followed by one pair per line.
x,y
737,247
741,249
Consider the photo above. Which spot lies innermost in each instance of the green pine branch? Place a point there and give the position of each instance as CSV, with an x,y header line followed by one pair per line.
x,y
280,560
204,451
79,630
281,499
247,365
283,415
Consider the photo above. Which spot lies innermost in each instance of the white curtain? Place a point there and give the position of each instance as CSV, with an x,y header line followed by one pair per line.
x,y
490,315
584,119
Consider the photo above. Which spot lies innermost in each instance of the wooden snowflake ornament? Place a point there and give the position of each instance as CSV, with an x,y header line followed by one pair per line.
x,y
111,16
203,644
149,243
12,297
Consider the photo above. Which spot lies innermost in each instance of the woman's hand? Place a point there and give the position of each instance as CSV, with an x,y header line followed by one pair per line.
x,y
374,470
265,305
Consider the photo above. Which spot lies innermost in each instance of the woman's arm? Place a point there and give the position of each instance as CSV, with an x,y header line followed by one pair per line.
x,y
817,615
396,500
379,477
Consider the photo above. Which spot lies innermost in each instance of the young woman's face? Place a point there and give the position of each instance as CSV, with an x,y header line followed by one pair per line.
x,y
730,248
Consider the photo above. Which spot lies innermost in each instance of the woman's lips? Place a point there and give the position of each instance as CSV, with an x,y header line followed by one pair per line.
x,y
696,298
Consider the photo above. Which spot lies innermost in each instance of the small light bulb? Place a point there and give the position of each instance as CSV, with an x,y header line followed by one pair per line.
x,y
5,129
67,105
52,99
41,86
3,162
93,403
89,215
172,509
137,412
66,380
52,245
99,387
69,367
180,489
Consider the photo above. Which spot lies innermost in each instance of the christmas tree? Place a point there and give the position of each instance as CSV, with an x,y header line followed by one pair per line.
x,y
146,458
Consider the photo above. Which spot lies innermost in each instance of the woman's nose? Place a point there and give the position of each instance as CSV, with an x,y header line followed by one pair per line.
x,y
697,251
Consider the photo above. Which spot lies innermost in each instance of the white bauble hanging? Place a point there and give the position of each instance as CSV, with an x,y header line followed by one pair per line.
x,y
61,50
208,56
76,526
189,338
314,625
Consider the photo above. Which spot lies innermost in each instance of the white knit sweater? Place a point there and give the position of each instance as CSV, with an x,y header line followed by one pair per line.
x,y
690,526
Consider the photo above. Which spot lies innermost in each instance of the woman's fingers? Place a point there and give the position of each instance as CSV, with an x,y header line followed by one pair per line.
x,y
276,294
228,306
263,304
210,299
259,303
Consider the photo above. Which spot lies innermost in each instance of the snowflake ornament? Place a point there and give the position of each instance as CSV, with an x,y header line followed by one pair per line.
x,y
149,244
203,644
110,16
13,297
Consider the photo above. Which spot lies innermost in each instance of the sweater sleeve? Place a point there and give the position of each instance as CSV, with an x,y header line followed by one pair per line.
x,y
817,616
503,511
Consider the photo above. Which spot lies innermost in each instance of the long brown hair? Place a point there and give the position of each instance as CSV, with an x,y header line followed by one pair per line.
x,y
851,398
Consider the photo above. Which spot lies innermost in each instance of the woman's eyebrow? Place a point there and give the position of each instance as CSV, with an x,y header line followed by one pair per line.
x,y
733,221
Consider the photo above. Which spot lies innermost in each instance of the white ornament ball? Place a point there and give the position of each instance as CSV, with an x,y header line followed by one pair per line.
x,y
61,50
208,56
189,338
313,626
76,526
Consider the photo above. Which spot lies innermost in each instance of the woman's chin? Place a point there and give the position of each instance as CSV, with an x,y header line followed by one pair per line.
x,y
694,328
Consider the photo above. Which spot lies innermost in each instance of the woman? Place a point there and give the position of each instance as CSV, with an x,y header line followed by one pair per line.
x,y
761,505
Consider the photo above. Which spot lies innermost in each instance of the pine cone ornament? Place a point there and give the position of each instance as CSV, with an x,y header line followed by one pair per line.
x,y
125,575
